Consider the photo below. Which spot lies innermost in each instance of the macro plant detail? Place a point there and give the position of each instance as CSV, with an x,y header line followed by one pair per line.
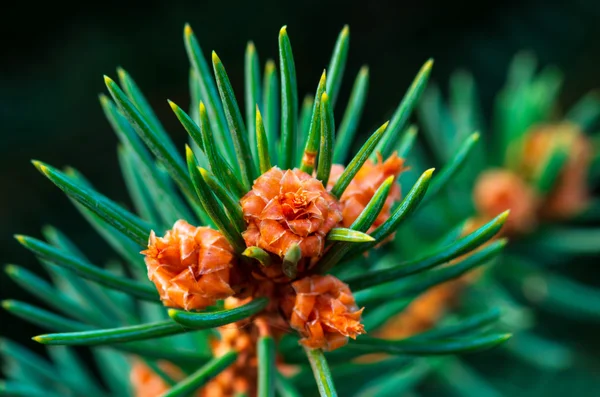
x,y
256,242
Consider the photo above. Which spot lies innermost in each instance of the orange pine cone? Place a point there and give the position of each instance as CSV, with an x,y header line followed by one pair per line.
x,y
364,185
190,266
325,312
498,190
285,208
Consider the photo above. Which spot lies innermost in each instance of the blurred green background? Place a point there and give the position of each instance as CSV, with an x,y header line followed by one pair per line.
x,y
53,60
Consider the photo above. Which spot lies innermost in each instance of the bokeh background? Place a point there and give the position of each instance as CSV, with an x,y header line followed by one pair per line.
x,y
53,59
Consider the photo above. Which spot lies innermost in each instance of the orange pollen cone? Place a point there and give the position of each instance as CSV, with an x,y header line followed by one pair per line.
x,y
288,208
325,312
190,266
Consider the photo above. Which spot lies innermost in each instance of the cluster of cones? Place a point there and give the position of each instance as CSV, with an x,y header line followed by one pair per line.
x,y
286,210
